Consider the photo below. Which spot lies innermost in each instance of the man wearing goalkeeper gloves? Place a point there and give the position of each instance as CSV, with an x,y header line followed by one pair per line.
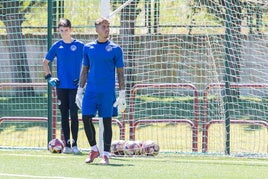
x,y
96,92
69,54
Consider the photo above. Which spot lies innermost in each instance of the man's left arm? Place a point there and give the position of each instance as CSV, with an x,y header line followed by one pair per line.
x,y
121,79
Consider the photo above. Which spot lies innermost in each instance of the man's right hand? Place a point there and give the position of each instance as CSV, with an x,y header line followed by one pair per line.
x,y
54,82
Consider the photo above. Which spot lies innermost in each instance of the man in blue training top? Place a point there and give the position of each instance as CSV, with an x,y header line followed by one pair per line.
x,y
69,54
101,59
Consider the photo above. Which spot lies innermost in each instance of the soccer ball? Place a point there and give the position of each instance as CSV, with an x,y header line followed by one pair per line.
x,y
132,148
139,143
150,148
117,147
55,146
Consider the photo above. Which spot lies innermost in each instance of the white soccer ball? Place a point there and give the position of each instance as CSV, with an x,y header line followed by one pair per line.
x,y
55,146
132,148
117,147
150,148
139,143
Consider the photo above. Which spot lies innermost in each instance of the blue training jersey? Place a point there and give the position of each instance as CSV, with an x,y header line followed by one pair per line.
x,y
102,59
69,61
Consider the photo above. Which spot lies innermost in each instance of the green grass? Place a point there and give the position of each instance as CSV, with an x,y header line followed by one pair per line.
x,y
42,164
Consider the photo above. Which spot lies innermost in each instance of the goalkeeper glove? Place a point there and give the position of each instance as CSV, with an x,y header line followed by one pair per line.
x,y
54,82
79,97
120,103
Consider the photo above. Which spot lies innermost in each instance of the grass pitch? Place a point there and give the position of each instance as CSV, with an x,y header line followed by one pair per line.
x,y
43,164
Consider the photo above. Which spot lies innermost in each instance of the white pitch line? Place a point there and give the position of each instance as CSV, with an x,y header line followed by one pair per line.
x,y
48,155
34,176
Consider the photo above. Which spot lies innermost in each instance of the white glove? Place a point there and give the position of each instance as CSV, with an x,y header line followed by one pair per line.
x,y
79,97
120,102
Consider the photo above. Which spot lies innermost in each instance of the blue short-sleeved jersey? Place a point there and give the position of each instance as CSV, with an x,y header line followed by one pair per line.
x,y
69,60
102,60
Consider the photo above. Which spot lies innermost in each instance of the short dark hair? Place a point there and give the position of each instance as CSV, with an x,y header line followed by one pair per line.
x,y
64,23
102,20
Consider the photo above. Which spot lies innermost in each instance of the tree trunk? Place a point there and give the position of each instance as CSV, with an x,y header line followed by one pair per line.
x,y
127,31
17,54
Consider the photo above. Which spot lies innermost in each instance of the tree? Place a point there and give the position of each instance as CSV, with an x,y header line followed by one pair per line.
x,y
127,23
231,13
13,15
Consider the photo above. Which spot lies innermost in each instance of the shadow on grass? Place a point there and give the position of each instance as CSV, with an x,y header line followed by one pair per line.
x,y
113,164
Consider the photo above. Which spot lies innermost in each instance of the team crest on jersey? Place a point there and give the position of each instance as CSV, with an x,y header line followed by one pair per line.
x,y
108,48
73,48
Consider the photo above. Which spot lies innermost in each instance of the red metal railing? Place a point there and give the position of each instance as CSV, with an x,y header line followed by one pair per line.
x,y
27,85
194,125
206,124
54,109
133,123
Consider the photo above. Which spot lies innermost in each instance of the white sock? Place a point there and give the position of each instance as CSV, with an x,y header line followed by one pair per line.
x,y
94,148
106,154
